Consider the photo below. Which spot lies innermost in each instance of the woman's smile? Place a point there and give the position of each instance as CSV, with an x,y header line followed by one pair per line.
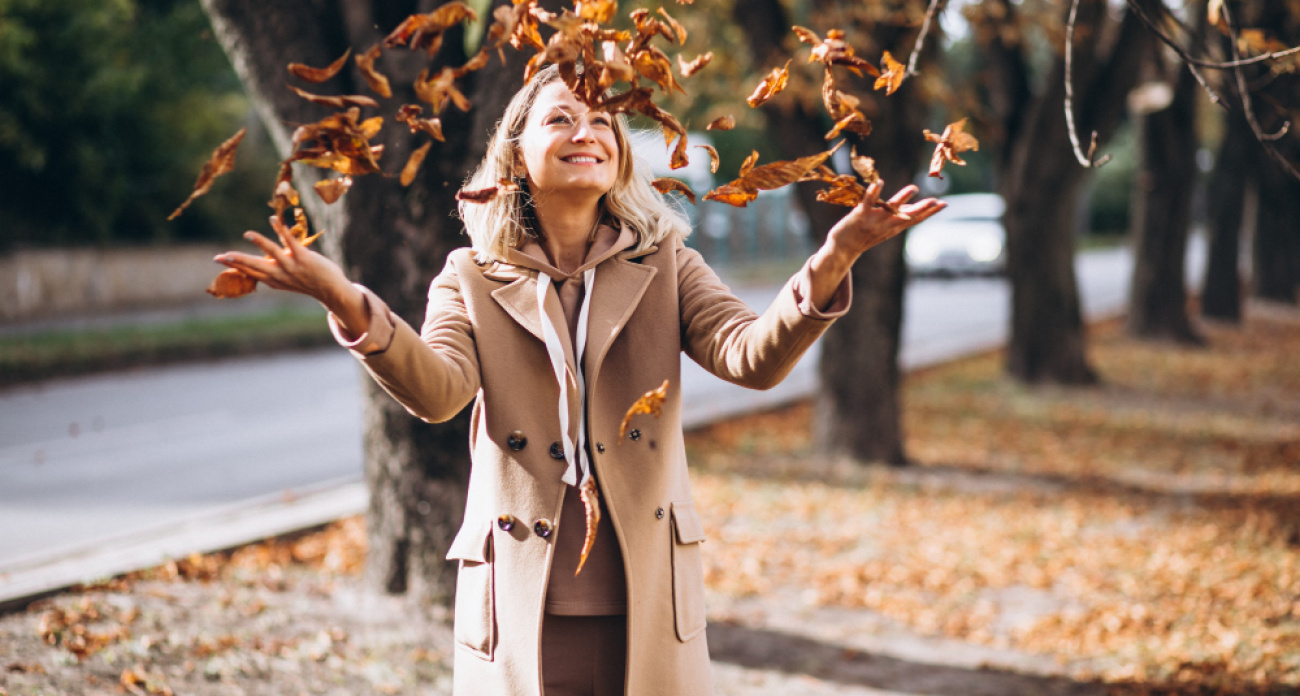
x,y
567,148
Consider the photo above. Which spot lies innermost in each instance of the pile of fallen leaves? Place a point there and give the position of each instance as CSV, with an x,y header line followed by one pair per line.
x,y
1145,532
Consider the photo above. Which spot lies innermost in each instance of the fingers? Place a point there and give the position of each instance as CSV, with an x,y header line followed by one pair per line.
x,y
272,249
904,195
287,238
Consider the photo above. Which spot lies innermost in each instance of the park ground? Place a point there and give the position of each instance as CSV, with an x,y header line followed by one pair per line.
x,y
1140,536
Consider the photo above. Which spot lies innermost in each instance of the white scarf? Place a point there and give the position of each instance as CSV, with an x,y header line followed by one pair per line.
x,y
575,449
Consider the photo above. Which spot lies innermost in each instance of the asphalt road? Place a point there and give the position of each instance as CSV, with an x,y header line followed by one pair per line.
x,y
87,462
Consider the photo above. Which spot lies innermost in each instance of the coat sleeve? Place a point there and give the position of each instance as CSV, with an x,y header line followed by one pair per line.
x,y
433,374
730,340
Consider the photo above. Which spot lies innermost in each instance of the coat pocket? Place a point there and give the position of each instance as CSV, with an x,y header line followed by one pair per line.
x,y
475,619
688,571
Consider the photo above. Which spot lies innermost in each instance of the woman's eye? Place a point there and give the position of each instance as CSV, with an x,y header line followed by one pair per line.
x,y
602,121
557,119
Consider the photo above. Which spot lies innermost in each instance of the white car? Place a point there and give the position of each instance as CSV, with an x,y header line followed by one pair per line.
x,y
966,238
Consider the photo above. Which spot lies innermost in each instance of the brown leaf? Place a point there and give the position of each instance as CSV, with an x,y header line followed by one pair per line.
x,y
688,69
771,85
723,123
676,26
330,190
864,166
410,115
679,158
336,102
338,142
413,163
231,283
285,195
513,24
425,30
221,162
598,11
892,74
650,403
438,89
310,74
834,51
713,157
653,64
843,109
591,508
487,194
732,195
948,146
766,177
667,184
378,81
749,163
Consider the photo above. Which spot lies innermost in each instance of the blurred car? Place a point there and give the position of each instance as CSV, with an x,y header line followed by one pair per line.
x,y
966,238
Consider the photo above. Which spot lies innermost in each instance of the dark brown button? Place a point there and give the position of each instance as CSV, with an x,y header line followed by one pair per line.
x,y
634,434
516,440
600,447
557,450
506,522
542,528
659,514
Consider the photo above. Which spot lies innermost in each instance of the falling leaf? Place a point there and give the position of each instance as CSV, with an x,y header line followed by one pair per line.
x,y
426,30
438,89
413,163
749,163
688,69
892,73
377,81
732,195
724,123
770,176
410,115
771,85
713,158
834,51
949,146
864,166
650,403
843,109
679,158
310,74
676,26
221,162
598,11
330,190
667,184
335,102
487,194
591,507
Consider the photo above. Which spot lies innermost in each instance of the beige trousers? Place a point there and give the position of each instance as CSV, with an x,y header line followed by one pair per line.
x,y
584,655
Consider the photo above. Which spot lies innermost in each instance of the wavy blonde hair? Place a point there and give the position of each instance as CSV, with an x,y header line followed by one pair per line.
x,y
503,223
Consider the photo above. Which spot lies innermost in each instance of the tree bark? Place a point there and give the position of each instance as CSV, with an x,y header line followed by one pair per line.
x,y
1041,183
1163,206
390,238
1277,235
858,408
1221,295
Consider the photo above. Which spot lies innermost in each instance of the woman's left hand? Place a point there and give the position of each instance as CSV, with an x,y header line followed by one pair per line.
x,y
863,227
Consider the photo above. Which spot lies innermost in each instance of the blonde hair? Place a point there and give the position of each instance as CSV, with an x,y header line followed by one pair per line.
x,y
501,224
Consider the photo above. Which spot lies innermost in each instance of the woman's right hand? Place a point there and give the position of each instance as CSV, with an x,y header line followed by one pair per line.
x,y
296,268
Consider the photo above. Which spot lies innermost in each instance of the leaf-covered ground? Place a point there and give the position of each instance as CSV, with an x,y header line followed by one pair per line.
x,y
1142,536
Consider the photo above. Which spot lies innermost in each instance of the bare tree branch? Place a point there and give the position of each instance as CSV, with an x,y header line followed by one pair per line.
x,y
1265,139
1088,159
920,39
1192,63
1201,62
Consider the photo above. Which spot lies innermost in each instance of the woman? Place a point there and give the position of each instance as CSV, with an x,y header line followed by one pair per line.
x,y
577,296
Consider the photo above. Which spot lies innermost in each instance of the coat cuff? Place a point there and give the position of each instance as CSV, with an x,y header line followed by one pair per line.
x,y
379,334
838,305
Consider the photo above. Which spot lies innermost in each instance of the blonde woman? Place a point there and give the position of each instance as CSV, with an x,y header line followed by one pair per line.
x,y
576,297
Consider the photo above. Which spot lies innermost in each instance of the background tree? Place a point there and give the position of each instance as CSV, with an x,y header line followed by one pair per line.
x,y
390,238
1225,213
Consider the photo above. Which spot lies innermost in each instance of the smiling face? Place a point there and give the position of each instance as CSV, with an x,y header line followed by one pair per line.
x,y
567,148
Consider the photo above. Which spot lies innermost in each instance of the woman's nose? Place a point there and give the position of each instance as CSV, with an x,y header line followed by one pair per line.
x,y
582,131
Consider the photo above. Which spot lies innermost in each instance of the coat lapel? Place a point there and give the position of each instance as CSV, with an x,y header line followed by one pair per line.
x,y
619,286
519,300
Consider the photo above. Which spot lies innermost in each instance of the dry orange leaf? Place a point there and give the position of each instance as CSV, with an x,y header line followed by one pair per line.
x,y
834,51
688,69
413,163
766,177
771,85
426,30
231,283
591,507
221,162
713,158
724,123
948,146
310,74
749,163
337,101
667,184
378,81
650,403
487,194
330,190
892,74
410,115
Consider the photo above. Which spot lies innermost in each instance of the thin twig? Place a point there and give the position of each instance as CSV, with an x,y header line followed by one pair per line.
x,y
1192,63
1264,139
1084,160
920,39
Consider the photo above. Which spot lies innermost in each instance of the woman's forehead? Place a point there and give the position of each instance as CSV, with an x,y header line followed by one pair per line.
x,y
555,95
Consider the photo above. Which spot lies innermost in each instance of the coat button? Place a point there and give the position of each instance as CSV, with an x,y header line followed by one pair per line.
x,y
557,450
659,514
516,440
506,522
542,528
600,447
634,434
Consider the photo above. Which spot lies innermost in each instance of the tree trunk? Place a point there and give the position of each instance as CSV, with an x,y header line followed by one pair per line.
x,y
1041,182
390,238
1163,205
1277,235
1221,295
858,410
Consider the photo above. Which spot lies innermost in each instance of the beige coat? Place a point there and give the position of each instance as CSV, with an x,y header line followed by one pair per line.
x,y
482,340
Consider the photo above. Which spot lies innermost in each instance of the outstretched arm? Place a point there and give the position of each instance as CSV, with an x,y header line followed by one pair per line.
x,y
864,227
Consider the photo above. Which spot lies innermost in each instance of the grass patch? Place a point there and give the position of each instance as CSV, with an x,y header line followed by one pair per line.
x,y
66,352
